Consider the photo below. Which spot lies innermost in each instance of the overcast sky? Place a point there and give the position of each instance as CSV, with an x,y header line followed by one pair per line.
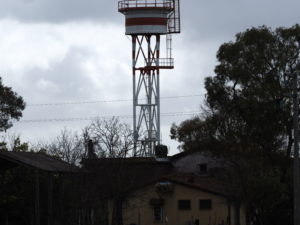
x,y
74,51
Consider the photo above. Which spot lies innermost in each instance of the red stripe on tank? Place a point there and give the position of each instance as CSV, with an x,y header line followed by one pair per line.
x,y
146,21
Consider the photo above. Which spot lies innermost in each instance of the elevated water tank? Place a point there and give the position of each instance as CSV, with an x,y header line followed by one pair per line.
x,y
146,17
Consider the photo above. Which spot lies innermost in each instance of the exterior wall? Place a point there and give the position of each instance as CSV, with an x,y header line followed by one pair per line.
x,y
137,210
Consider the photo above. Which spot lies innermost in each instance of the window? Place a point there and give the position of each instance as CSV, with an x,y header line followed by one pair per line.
x,y
184,204
202,168
205,204
157,213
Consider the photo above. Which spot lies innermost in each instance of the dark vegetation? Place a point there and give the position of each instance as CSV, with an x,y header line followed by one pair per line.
x,y
248,121
78,198
11,107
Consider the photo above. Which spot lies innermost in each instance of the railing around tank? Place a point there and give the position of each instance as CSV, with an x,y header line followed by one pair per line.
x,y
128,4
160,63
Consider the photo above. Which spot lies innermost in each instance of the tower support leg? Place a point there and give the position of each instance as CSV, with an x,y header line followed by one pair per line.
x,y
146,97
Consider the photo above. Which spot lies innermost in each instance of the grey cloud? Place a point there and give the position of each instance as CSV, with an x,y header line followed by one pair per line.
x,y
204,22
200,19
217,19
59,10
67,77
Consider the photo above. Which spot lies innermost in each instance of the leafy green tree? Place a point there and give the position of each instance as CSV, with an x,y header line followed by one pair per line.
x,y
253,74
247,119
11,106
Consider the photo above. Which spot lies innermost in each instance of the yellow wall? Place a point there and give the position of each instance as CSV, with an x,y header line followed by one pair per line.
x,y
137,209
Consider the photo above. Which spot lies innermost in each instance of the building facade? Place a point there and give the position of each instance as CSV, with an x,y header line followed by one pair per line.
x,y
179,200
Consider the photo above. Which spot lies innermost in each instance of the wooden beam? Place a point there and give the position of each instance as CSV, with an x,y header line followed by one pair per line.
x,y
37,197
61,199
50,199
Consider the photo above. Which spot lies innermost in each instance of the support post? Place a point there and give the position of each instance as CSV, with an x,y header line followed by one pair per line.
x,y
37,197
157,100
50,199
61,199
296,149
135,132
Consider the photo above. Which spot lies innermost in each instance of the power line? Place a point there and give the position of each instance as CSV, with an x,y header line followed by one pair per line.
x,y
70,119
106,101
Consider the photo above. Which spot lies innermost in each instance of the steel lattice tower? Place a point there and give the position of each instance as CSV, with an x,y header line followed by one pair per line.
x,y
146,21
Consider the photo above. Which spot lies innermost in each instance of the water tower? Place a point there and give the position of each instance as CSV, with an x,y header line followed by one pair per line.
x,y
146,21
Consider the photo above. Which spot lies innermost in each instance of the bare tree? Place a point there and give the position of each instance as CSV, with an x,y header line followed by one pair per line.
x,y
68,146
112,138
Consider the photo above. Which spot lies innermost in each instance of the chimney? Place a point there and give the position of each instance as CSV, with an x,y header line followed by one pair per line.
x,y
161,151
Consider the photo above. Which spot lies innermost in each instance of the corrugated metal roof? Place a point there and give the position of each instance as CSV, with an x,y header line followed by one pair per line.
x,y
37,160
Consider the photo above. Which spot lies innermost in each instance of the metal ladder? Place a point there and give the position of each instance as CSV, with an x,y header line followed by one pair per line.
x,y
174,18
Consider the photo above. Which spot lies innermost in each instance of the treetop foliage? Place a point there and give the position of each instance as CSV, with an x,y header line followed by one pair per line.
x,y
253,73
11,106
247,120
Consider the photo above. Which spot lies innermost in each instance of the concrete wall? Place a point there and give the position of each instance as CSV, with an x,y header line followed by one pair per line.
x,y
137,210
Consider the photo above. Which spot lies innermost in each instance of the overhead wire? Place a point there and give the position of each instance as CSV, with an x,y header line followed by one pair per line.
x,y
72,119
106,101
